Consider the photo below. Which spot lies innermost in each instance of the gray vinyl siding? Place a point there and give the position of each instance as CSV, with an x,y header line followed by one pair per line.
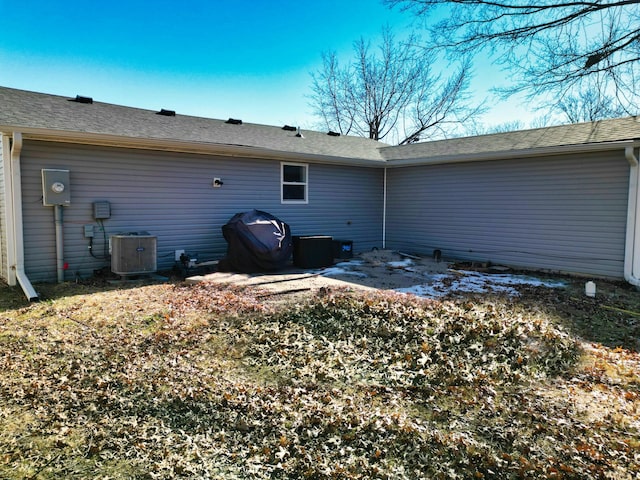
x,y
565,214
170,195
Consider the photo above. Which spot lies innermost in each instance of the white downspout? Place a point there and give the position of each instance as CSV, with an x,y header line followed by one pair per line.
x,y
384,210
632,241
17,232
9,248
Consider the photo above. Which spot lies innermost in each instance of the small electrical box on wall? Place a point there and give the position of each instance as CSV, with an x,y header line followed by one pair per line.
x,y
55,187
101,210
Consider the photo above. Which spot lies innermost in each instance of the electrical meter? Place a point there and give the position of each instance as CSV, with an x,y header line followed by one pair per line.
x,y
55,187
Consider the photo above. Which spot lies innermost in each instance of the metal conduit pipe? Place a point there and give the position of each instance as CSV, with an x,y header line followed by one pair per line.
x,y
59,242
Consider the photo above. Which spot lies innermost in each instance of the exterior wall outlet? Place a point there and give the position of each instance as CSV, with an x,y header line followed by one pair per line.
x,y
217,182
178,253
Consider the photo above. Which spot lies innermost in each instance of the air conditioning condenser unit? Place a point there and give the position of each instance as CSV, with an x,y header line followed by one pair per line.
x,y
133,253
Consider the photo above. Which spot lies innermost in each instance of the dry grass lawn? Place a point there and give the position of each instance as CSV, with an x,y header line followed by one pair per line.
x,y
210,381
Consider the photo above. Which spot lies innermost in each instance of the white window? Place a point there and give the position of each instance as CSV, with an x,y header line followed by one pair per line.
x,y
294,182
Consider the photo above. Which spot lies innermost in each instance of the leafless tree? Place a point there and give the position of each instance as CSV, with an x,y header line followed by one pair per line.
x,y
481,129
548,46
589,104
390,94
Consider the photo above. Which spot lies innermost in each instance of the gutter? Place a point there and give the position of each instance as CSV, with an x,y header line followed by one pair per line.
x,y
16,233
632,240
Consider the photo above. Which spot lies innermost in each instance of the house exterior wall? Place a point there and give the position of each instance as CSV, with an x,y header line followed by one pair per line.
x,y
564,214
170,195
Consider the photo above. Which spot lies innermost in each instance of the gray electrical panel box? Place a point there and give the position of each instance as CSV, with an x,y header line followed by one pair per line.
x,y
101,210
55,187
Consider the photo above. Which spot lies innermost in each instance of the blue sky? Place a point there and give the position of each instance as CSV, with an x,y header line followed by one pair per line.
x,y
243,59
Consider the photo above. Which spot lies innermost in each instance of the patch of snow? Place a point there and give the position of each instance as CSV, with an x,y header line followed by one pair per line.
x,y
350,263
476,282
407,262
335,270
425,279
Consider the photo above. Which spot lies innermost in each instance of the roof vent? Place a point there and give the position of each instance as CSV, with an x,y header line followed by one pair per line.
x,y
166,113
81,99
234,121
333,134
299,134
289,128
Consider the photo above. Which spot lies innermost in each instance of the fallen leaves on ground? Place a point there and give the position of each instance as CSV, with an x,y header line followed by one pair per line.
x,y
209,381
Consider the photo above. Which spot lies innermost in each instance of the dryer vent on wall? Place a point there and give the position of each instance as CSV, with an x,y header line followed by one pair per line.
x,y
133,253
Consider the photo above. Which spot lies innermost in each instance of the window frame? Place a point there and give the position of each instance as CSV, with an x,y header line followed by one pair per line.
x,y
304,183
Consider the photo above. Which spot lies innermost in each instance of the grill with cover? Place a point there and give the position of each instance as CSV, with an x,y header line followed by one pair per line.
x,y
257,242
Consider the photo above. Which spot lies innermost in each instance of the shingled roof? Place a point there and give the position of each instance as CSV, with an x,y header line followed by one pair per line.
x,y
58,117
30,111
599,133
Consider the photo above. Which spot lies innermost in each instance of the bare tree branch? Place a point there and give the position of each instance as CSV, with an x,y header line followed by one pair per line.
x,y
548,46
389,92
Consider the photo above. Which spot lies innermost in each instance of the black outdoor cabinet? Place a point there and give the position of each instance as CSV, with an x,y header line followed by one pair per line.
x,y
312,251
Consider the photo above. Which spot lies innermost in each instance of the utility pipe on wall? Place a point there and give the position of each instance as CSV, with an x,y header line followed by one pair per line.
x,y
59,242
17,232
632,240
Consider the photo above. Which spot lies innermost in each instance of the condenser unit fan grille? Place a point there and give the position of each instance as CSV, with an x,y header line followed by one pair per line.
x,y
133,254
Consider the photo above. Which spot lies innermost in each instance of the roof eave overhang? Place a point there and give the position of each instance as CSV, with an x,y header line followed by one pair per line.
x,y
514,154
253,152
180,146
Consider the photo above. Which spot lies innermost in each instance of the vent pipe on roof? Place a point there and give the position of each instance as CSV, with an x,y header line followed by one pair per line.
x,y
299,134
81,99
166,113
234,121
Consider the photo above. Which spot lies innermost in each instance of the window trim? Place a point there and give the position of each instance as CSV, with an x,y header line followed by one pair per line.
x,y
305,183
